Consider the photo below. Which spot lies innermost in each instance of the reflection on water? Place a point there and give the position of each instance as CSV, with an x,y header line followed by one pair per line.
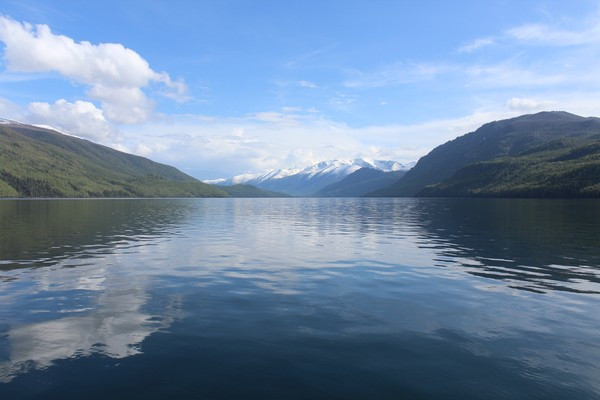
x,y
42,232
536,245
113,325
300,298
91,309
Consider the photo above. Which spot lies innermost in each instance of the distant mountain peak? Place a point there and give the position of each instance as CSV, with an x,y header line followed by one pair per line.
x,y
311,179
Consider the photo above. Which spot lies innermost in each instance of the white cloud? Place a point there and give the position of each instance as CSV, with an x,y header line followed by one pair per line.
x,y
175,90
584,33
255,143
121,147
556,36
263,142
291,109
37,49
307,84
143,150
128,105
80,118
115,73
476,45
584,103
521,104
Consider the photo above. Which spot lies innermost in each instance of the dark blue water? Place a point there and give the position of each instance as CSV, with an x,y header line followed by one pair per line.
x,y
300,299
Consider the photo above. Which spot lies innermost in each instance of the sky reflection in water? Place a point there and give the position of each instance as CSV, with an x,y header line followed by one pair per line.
x,y
319,298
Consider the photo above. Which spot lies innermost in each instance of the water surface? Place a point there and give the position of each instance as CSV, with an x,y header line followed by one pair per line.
x,y
300,298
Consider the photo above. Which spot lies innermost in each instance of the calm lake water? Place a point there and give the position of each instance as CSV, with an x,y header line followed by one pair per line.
x,y
300,299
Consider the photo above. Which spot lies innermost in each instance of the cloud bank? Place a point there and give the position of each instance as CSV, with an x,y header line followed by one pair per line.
x,y
116,75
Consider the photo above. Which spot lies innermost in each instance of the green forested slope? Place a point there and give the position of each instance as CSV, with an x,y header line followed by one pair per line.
x,y
36,162
564,168
506,142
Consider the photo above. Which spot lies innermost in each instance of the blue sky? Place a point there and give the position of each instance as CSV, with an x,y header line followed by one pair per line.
x,y
219,88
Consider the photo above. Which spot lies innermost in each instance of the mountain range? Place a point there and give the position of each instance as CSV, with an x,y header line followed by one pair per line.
x,y
313,179
548,154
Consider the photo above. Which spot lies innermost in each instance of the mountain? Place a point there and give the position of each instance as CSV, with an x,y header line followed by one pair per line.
x,y
40,162
361,182
308,181
562,168
510,139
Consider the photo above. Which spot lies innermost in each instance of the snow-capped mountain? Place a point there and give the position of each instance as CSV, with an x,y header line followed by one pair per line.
x,y
307,181
254,178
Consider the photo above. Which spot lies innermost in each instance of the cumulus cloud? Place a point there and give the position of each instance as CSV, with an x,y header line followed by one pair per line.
x,y
127,105
115,73
80,118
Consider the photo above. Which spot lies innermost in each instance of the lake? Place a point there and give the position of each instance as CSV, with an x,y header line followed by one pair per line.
x,y
300,299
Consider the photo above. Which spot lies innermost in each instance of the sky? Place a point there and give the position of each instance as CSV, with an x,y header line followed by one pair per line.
x,y
224,87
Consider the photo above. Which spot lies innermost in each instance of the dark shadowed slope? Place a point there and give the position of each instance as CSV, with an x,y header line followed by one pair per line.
x,y
361,182
508,138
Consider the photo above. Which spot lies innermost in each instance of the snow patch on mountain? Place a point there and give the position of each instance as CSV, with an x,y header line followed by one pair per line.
x,y
4,121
